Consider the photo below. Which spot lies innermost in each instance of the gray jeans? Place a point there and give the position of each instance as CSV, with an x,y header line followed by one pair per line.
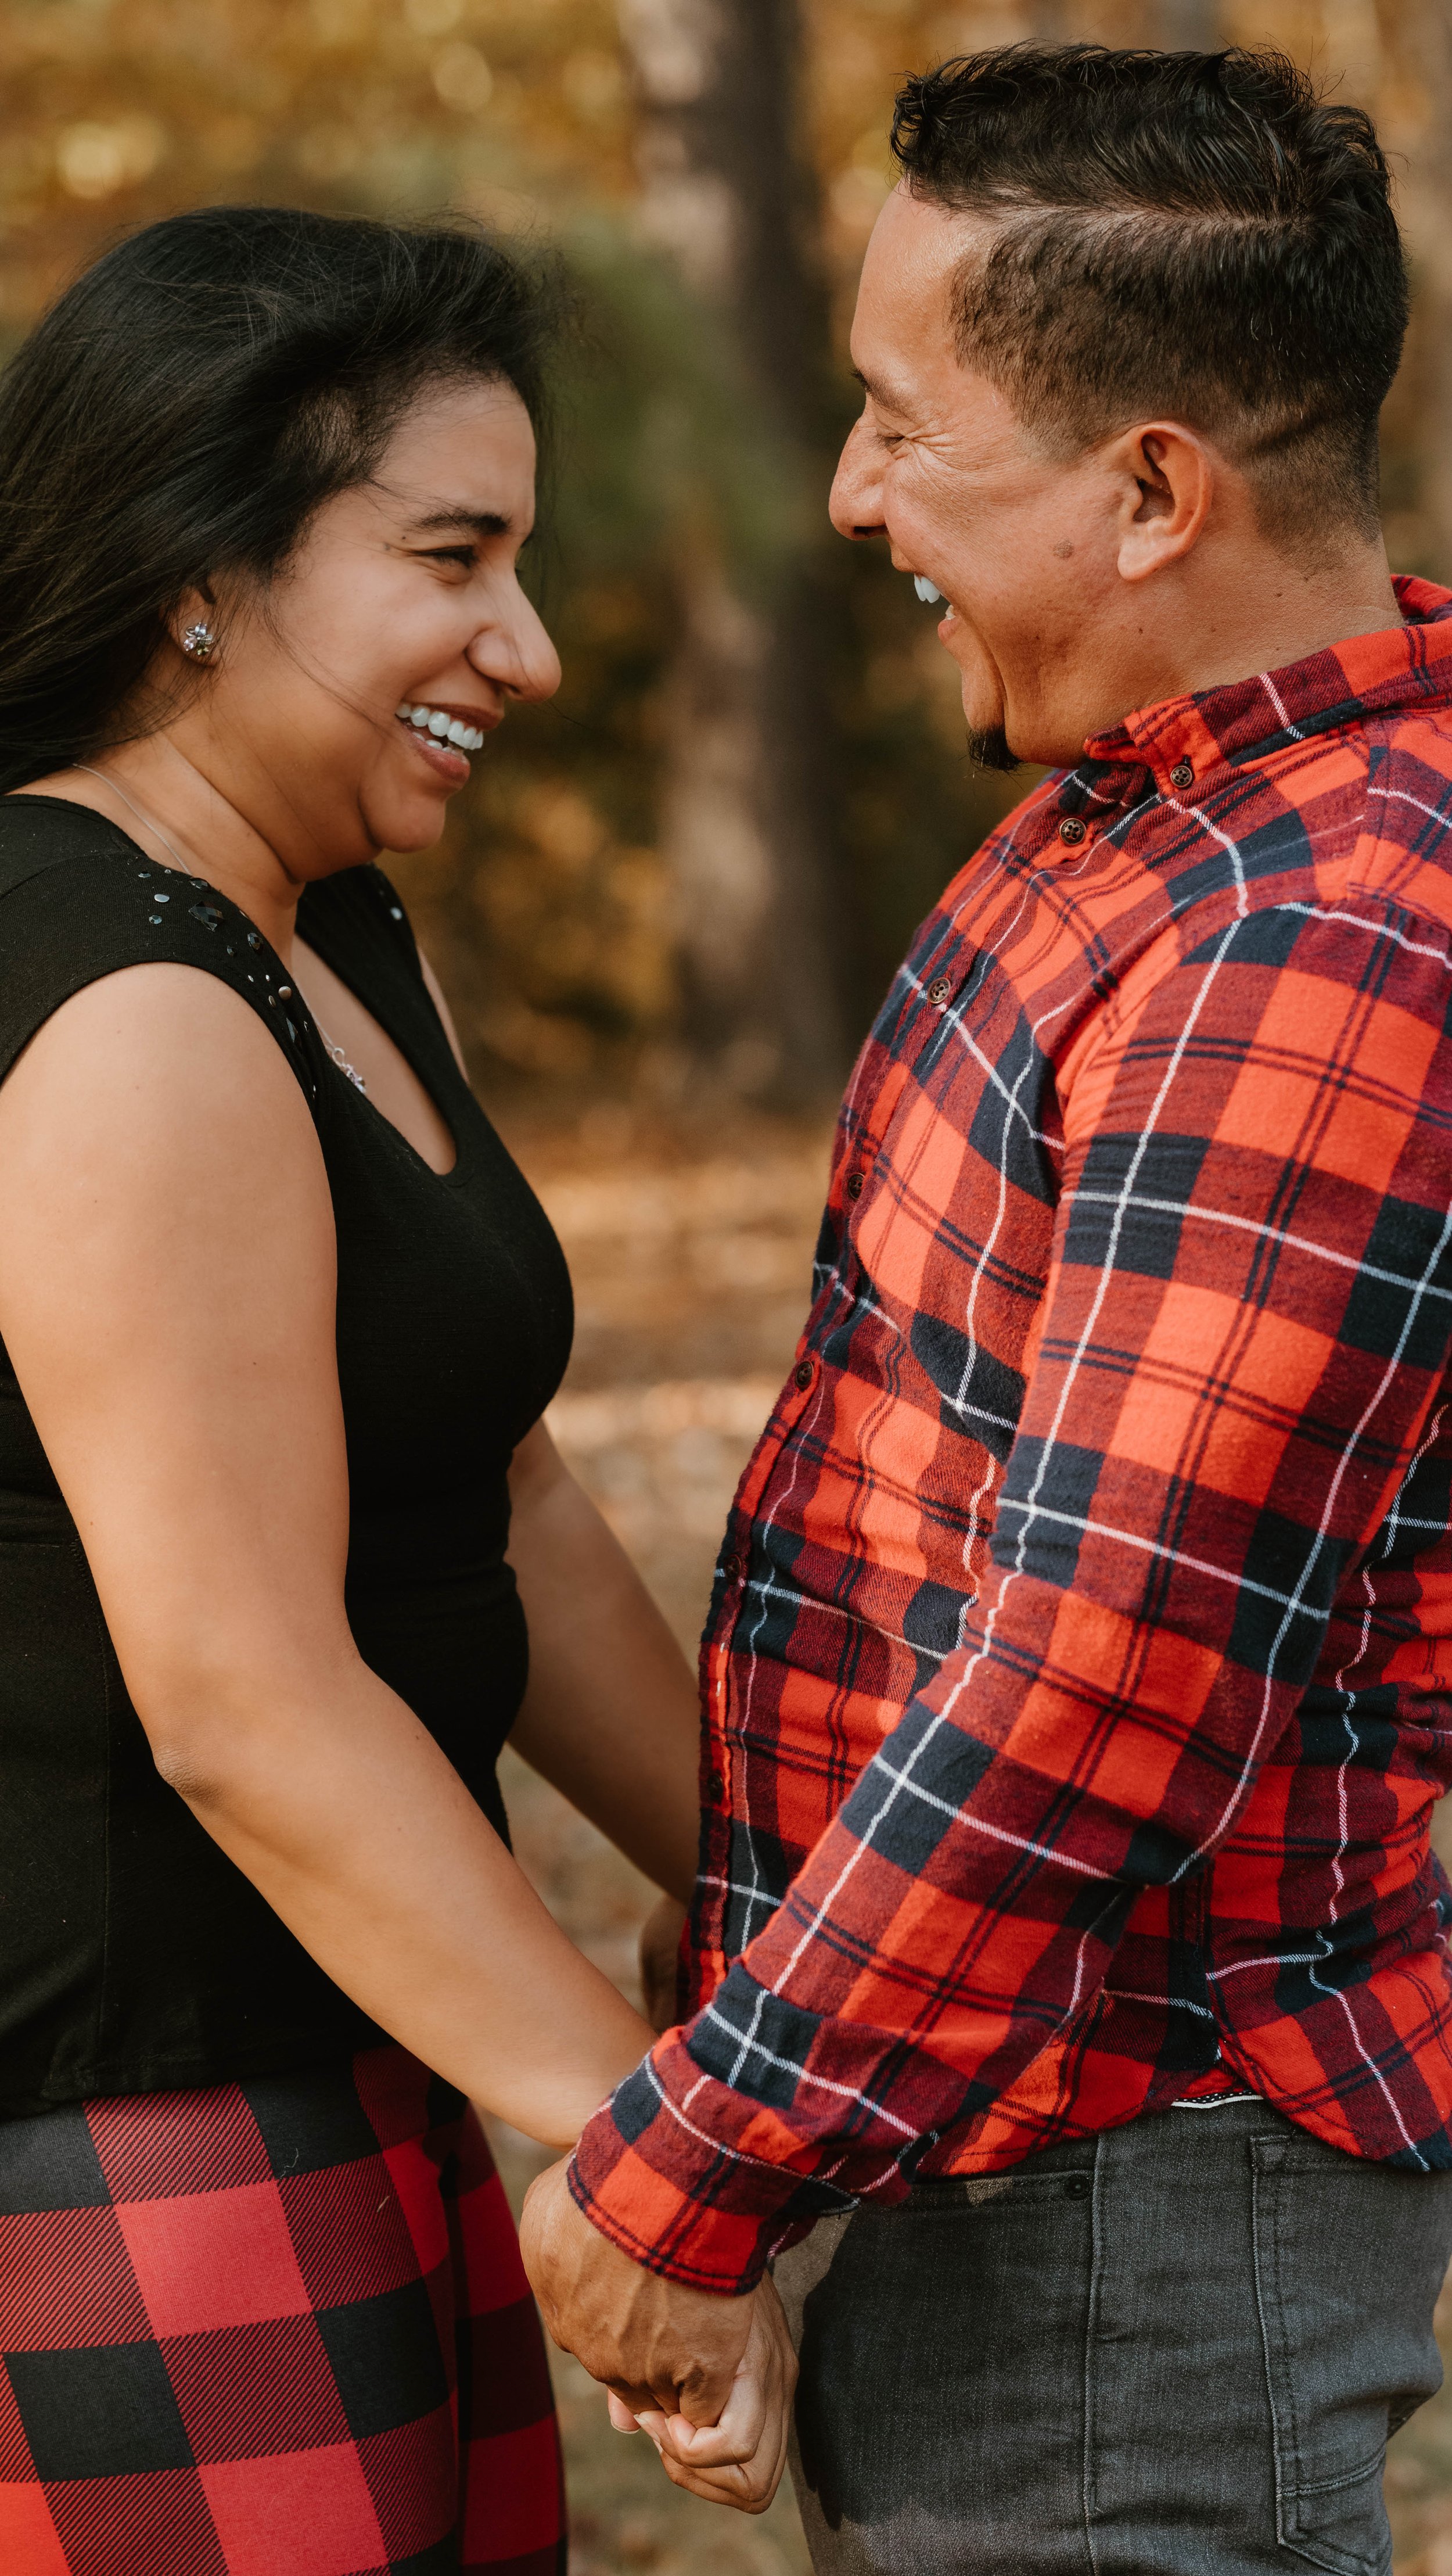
x,y
1174,2350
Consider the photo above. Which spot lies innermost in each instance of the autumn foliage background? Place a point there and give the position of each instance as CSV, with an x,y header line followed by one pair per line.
x,y
668,903
647,883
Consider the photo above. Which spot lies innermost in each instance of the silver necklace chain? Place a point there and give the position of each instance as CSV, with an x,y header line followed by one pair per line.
x,y
149,824
339,1058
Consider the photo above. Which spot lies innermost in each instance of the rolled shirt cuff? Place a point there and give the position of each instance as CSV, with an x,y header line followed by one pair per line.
x,y
691,2179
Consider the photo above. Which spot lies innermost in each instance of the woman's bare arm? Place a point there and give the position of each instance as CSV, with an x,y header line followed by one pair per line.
x,y
167,1299
610,1715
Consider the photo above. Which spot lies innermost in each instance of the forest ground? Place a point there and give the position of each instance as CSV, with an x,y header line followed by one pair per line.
x,y
690,1246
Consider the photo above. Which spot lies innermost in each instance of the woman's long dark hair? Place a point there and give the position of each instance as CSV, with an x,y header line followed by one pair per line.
x,y
187,405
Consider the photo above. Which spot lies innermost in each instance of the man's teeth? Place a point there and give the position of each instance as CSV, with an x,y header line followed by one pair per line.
x,y
927,591
433,720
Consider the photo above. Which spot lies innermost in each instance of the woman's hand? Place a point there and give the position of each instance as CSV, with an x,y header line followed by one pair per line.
x,y
660,1942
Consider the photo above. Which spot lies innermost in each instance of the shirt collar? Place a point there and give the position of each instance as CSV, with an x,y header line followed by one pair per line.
x,y
1397,667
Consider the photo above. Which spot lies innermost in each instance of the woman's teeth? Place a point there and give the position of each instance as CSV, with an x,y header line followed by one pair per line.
x,y
444,728
927,591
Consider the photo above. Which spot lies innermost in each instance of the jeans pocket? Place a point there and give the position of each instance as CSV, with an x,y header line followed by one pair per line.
x,y
1348,2261
1341,2524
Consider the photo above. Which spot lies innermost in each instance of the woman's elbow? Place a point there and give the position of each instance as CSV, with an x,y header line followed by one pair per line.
x,y
209,1726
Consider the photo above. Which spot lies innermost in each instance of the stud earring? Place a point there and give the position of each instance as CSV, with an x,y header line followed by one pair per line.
x,y
199,643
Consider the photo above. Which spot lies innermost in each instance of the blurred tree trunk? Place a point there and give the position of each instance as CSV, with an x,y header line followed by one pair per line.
x,y
1416,127
748,823
1177,26
1189,26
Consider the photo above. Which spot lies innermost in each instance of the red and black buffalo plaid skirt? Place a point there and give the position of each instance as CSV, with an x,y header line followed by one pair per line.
x,y
270,2329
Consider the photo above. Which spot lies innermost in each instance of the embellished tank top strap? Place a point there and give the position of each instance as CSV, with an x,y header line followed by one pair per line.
x,y
79,899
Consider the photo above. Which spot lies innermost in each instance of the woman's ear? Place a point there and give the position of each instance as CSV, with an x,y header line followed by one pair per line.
x,y
1169,482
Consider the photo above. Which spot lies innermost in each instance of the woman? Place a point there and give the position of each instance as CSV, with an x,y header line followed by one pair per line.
x,y
280,1320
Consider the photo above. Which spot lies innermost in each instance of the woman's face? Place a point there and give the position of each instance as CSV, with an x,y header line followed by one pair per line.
x,y
341,711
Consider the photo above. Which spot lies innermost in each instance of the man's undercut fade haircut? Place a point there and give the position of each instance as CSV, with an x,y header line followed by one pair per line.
x,y
1193,237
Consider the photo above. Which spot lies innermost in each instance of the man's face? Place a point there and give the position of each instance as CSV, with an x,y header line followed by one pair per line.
x,y
1021,542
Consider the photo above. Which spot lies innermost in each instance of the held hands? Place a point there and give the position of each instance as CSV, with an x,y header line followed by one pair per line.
x,y
709,2379
738,2460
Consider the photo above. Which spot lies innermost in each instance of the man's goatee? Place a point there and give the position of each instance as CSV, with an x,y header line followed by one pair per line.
x,y
990,750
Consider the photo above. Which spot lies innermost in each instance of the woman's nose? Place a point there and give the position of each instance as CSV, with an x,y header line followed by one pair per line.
x,y
518,653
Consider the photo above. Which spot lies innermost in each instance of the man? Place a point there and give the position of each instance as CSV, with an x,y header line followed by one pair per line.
x,y
1068,1946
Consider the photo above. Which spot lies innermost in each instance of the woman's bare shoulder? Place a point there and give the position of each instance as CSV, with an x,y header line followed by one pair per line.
x,y
152,1132
167,1302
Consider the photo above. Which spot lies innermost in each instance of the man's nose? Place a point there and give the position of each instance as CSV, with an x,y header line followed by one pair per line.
x,y
855,502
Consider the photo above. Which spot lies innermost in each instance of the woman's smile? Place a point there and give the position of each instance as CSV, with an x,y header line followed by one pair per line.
x,y
445,734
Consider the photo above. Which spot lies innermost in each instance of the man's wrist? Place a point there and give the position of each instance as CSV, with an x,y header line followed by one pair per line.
x,y
702,2226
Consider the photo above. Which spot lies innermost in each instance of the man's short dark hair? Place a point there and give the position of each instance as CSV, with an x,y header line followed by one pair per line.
x,y
1197,237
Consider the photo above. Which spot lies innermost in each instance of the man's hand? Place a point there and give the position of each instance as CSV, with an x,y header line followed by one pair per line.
x,y
663,2348
660,1941
710,2377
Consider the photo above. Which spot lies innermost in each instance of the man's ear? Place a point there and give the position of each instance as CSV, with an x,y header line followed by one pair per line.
x,y
1169,482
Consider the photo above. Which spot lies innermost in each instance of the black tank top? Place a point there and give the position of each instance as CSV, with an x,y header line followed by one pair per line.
x,y
133,1955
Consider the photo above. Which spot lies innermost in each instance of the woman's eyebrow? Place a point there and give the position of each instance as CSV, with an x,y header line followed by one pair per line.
x,y
453,515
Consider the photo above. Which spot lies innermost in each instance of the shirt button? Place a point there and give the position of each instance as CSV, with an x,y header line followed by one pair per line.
x,y
1078,2187
1183,774
855,1184
803,1374
718,1784
1072,830
939,989
731,1565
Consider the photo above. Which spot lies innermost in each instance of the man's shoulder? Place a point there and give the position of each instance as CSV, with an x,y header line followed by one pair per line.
x,y
1363,807
1404,851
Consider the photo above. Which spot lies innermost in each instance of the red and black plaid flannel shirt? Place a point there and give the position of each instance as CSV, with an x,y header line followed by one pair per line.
x,y
1077,1676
